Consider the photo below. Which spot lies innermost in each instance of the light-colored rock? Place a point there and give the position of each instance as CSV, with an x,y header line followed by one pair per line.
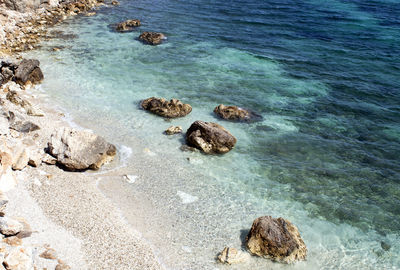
x,y
233,256
210,137
276,239
20,159
3,201
13,241
19,259
9,226
80,150
7,177
173,130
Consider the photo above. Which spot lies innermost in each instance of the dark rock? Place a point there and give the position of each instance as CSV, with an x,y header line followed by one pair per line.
x,y
127,26
24,126
170,109
187,148
210,137
152,38
385,246
7,74
276,239
234,113
115,3
28,70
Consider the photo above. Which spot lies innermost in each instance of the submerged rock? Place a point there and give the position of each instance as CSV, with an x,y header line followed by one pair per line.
x,y
170,109
28,70
210,137
127,25
276,239
80,150
234,113
115,3
152,38
173,130
232,256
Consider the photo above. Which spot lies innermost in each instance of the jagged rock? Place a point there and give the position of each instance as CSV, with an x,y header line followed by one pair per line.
x,y
7,74
152,38
210,137
49,159
80,150
24,127
115,3
127,25
49,254
28,70
232,256
276,239
20,159
173,130
9,226
18,259
235,113
14,98
170,109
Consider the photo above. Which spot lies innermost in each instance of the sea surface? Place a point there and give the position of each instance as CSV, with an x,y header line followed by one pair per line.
x,y
325,77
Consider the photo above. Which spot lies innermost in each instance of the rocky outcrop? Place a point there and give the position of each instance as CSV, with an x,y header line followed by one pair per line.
x,y
173,130
169,109
210,137
127,25
234,113
232,256
152,38
80,150
276,239
28,70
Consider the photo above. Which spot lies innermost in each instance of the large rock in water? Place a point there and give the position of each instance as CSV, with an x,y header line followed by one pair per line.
x,y
28,70
210,137
80,150
277,239
152,38
127,25
234,113
170,109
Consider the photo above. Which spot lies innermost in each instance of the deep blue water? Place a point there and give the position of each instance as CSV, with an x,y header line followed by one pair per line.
x,y
325,76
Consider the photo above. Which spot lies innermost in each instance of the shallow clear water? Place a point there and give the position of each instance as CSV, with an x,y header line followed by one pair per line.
x,y
325,76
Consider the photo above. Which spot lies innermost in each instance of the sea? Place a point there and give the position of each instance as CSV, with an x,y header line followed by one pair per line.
x,y
324,76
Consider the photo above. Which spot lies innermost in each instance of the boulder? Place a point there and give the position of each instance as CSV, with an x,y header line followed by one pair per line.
x,y
28,70
276,239
210,137
18,259
234,113
24,126
173,130
9,226
80,150
232,256
127,26
152,38
170,109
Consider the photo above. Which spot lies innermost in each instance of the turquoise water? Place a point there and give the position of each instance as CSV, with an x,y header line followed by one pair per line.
x,y
324,75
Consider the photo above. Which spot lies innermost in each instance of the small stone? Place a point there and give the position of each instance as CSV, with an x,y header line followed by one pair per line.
x,y
232,256
49,254
9,226
115,3
62,266
173,130
385,246
24,127
13,241
89,14
21,160
187,148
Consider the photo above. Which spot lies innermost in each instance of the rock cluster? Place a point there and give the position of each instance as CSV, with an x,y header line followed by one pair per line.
x,y
210,137
169,109
127,25
276,239
152,38
26,72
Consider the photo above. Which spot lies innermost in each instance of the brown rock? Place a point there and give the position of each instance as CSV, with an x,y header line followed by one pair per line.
x,y
173,130
28,70
13,241
127,25
115,3
170,109
80,150
276,239
210,137
235,113
18,259
152,38
49,254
